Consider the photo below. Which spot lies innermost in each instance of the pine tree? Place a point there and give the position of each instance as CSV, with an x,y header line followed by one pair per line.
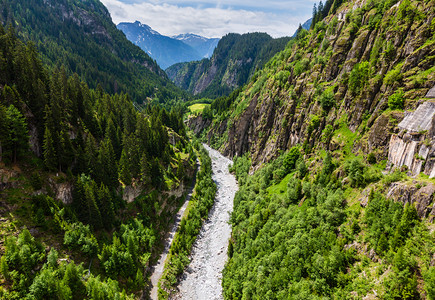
x,y
66,152
144,169
80,162
319,16
107,165
313,20
79,198
4,137
10,95
73,280
156,173
18,132
105,204
112,135
140,282
50,157
91,154
93,213
180,169
124,169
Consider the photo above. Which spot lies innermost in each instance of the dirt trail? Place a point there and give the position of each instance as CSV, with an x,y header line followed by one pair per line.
x,y
202,278
159,267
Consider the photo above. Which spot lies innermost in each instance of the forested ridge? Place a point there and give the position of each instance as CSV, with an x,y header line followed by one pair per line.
x,y
81,37
199,207
234,61
70,156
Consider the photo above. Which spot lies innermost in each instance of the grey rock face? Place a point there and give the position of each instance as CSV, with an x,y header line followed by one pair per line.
x,y
431,93
419,120
422,197
414,146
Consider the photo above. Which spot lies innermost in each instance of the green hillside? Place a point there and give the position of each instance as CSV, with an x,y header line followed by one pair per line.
x,y
88,183
340,206
80,36
234,60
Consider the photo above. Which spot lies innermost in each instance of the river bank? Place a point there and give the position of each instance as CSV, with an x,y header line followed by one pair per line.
x,y
202,278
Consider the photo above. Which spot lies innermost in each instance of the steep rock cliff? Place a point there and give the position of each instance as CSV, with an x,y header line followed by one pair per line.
x,y
337,77
414,146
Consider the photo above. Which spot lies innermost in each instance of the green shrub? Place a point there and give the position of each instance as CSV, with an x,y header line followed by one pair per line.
x,y
327,100
393,177
282,78
430,283
396,100
313,124
358,77
79,236
394,75
355,170
36,181
390,52
371,158
240,167
290,159
327,134
301,66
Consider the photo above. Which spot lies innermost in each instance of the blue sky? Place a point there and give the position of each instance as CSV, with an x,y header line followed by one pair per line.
x,y
214,18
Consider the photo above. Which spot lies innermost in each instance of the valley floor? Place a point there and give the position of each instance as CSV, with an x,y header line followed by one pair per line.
x,y
202,278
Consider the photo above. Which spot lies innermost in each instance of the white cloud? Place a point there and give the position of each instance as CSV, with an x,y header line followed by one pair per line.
x,y
209,20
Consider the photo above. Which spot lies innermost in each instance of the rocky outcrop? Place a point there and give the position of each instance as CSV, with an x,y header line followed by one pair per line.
x,y
63,192
431,93
414,146
198,124
420,119
131,192
7,179
378,138
419,194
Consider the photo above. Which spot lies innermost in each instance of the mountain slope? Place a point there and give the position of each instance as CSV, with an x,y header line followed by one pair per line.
x,y
204,46
339,131
86,180
81,36
165,50
344,71
234,61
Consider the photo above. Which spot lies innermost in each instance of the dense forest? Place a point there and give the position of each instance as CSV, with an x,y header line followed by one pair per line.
x,y
80,37
298,233
69,156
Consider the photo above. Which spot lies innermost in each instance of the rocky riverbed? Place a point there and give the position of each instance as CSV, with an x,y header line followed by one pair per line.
x,y
202,278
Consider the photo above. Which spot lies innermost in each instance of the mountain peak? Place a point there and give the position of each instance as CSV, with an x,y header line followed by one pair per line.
x,y
137,25
189,36
168,50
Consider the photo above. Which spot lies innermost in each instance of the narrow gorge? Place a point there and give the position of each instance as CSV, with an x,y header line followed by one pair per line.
x,y
202,278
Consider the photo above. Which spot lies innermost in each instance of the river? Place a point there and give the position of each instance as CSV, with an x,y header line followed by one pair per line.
x,y
202,278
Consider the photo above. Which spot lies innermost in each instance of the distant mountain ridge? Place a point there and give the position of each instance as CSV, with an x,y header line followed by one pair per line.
x,y
306,26
204,46
168,50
